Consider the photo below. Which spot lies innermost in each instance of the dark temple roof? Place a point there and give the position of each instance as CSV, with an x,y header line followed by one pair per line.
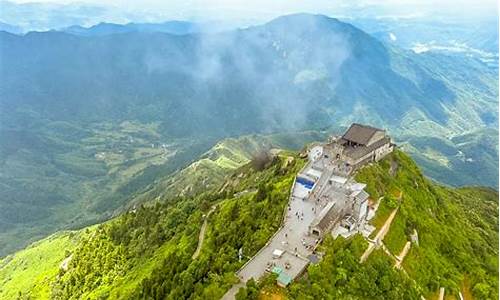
x,y
327,217
360,134
360,151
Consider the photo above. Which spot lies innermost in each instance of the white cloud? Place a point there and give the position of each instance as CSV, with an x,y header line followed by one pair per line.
x,y
282,6
267,9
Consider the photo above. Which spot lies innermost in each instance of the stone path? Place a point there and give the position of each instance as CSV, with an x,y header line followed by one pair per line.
x,y
292,237
377,241
201,237
379,237
231,294
401,256
441,293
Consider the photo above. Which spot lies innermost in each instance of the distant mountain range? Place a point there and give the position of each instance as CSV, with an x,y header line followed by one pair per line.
x,y
172,27
92,116
472,38
481,35
42,16
322,72
10,28
23,17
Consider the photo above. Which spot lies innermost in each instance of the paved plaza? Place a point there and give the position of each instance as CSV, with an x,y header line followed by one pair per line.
x,y
324,197
293,237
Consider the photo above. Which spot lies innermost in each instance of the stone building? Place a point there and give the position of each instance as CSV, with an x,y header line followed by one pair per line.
x,y
335,161
359,201
324,222
362,144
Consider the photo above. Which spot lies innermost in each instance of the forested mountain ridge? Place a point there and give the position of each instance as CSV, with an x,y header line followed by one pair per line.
x,y
147,252
212,167
320,62
90,122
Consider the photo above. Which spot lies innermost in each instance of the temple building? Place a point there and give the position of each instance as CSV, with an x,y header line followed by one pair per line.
x,y
362,144
335,162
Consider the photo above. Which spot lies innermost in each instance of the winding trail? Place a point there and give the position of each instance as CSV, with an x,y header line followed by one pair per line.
x,y
201,237
380,236
377,241
401,256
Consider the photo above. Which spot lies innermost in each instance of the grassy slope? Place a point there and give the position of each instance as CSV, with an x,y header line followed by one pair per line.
x,y
457,228
446,219
115,260
33,268
72,176
126,280
208,172
457,231
466,159
211,169
62,175
340,275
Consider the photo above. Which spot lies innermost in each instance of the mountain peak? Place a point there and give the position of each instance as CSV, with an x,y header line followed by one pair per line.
x,y
305,20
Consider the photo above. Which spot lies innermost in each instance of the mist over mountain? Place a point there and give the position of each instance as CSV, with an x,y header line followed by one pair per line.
x,y
10,28
92,116
23,17
46,16
321,72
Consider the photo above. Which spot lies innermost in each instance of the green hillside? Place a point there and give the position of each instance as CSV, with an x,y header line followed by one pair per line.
x,y
62,175
105,116
142,252
457,229
148,251
83,176
457,232
469,158
213,166
33,268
